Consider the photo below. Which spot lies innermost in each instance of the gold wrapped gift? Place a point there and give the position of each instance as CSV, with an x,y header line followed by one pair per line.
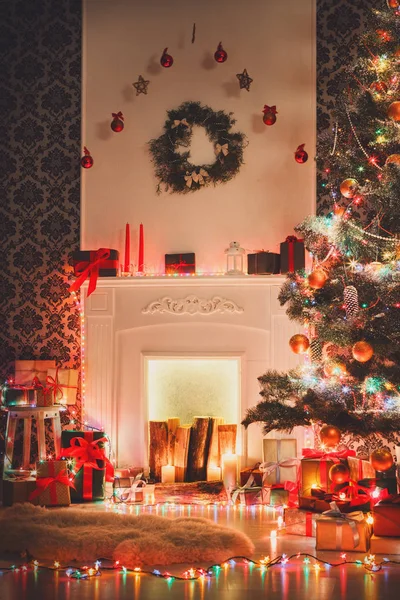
x,y
360,469
279,461
27,370
338,531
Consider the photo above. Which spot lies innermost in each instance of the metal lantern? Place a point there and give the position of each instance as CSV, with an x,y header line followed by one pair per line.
x,y
234,259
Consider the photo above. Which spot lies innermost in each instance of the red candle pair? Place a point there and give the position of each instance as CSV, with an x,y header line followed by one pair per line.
x,y
127,261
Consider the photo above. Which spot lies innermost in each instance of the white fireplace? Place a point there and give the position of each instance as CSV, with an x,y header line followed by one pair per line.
x,y
159,347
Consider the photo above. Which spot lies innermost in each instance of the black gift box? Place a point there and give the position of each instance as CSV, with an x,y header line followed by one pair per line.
x,y
292,255
263,263
180,263
107,268
18,396
384,480
97,475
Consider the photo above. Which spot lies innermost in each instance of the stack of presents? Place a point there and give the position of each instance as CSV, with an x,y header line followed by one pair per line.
x,y
358,511
35,398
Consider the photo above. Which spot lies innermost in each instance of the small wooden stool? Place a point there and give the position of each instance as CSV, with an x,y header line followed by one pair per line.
x,y
27,413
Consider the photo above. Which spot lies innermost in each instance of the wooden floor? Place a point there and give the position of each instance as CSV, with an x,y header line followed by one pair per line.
x,y
294,581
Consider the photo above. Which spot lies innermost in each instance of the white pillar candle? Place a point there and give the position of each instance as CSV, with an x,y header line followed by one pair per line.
x,y
213,473
168,474
229,464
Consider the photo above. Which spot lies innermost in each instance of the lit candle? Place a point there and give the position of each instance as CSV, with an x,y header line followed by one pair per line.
x,y
229,464
213,473
141,250
168,474
127,248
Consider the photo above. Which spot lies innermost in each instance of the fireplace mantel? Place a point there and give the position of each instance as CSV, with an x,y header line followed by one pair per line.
x,y
211,315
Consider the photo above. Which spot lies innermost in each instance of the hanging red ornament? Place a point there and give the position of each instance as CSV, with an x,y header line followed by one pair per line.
x,y
393,4
301,155
166,60
317,279
349,187
394,111
220,54
270,113
299,343
362,351
393,159
338,210
379,87
87,160
384,35
339,473
117,124
330,436
381,459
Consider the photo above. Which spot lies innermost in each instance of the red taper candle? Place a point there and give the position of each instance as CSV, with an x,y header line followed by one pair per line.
x,y
127,248
141,250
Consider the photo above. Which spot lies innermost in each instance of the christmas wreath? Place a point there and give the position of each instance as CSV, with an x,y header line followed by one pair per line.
x,y
175,170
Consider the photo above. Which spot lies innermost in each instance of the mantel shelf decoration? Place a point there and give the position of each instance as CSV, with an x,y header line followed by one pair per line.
x,y
174,169
192,305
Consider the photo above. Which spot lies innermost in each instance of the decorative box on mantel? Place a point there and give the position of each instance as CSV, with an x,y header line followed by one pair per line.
x,y
130,321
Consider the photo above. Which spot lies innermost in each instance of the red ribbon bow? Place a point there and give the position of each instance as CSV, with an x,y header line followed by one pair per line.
x,y
118,115
42,483
271,109
92,271
87,454
321,455
291,239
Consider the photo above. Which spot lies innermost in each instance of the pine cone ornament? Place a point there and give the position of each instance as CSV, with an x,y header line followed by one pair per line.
x,y
350,297
316,351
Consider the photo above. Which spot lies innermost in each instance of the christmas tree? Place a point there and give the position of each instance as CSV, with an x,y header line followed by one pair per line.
x,y
349,304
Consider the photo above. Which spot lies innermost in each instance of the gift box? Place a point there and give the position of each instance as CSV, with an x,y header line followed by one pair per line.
x,y
27,370
18,395
300,522
384,545
255,473
292,255
63,384
128,472
247,496
336,531
17,491
274,495
129,489
387,517
383,481
263,263
52,484
180,263
311,503
315,474
107,265
360,469
91,463
279,461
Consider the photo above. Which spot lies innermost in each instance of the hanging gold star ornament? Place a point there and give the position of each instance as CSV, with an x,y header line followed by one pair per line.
x,y
244,80
141,86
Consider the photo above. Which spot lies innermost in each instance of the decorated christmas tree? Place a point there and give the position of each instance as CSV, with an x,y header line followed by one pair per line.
x,y
349,304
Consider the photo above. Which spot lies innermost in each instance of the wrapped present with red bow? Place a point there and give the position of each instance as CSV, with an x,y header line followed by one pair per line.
x,y
28,370
180,263
53,484
90,464
91,264
63,384
315,466
292,255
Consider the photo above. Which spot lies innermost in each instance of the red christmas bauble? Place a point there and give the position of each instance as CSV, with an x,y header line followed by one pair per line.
x,y
378,87
270,113
339,473
301,155
166,60
117,124
87,160
381,459
394,4
330,436
220,54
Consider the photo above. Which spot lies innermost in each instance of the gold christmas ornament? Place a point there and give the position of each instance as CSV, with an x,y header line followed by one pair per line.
x,y
299,343
393,159
338,210
317,279
339,473
348,188
362,351
381,460
335,368
330,436
394,111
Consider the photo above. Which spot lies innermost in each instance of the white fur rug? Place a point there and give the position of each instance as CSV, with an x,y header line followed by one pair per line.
x,y
74,534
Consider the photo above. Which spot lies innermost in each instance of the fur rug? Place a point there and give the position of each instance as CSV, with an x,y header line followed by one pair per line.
x,y
74,534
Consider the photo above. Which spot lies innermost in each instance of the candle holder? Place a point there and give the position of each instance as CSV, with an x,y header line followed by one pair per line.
x,y
128,273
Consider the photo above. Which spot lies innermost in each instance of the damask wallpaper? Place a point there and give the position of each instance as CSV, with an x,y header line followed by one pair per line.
x,y
40,46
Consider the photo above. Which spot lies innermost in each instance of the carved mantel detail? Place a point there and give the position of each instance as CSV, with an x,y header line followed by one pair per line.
x,y
192,305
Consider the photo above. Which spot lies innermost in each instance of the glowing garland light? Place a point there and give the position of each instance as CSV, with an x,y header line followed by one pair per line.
x,y
198,574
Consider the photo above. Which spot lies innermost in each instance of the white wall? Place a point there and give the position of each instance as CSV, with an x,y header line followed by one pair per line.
x,y
274,41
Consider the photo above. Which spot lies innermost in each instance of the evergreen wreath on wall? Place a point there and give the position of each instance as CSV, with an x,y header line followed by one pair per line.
x,y
175,170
